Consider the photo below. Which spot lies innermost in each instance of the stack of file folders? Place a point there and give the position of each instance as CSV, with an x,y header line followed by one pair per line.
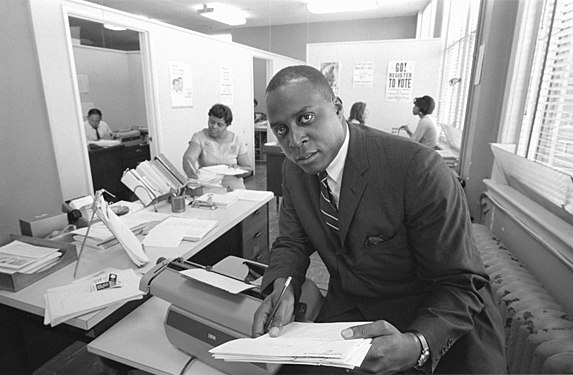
x,y
18,256
154,179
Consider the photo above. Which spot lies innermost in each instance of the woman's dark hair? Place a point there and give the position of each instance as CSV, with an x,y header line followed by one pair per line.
x,y
426,104
357,112
222,111
94,111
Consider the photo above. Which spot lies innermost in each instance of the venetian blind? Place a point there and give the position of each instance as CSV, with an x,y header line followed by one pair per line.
x,y
456,70
547,136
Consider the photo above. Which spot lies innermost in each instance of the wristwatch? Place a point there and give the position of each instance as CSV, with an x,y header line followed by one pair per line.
x,y
425,353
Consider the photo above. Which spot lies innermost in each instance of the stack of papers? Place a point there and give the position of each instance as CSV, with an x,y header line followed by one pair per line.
x,y
18,256
223,169
205,178
319,344
89,294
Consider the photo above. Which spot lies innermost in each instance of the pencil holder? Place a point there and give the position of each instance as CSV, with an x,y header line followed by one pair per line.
x,y
178,203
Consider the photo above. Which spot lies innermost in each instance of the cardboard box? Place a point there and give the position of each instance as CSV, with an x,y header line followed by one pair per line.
x,y
43,224
17,281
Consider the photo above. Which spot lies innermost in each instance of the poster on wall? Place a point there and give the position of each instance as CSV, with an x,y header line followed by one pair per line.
x,y
226,82
180,82
363,74
331,71
399,81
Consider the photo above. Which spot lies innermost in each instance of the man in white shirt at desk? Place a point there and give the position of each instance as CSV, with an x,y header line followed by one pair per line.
x,y
96,129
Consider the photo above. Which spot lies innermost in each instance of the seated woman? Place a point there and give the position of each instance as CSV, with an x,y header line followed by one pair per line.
x,y
358,113
427,132
217,145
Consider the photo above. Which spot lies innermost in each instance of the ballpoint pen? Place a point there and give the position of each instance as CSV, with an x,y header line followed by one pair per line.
x,y
272,316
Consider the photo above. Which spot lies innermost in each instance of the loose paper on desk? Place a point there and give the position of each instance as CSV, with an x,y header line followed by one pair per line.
x,y
252,195
171,231
78,298
300,343
220,200
217,280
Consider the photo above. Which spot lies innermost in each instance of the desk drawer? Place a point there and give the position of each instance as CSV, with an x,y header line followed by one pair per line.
x,y
256,247
255,232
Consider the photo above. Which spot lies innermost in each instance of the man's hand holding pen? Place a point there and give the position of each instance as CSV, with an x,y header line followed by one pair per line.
x,y
276,310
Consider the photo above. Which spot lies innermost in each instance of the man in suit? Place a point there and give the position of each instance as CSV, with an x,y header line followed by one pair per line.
x,y
397,240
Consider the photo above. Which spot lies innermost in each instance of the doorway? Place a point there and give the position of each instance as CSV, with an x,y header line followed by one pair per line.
x,y
109,72
260,78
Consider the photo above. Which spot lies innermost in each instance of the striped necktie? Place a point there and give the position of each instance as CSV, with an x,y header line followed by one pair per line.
x,y
327,205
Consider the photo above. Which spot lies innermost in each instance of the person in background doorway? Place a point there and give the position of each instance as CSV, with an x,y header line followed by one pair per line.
x,y
260,117
358,113
95,128
217,145
426,132
391,224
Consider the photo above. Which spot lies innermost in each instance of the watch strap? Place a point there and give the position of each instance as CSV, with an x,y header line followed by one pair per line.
x,y
425,352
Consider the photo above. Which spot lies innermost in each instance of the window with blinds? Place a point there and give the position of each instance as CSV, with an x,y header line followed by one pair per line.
x,y
460,34
547,135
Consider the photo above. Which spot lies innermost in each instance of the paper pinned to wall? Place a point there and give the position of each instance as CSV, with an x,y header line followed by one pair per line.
x,y
181,85
400,80
226,83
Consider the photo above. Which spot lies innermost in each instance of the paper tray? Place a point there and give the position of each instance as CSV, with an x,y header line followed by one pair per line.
x,y
17,281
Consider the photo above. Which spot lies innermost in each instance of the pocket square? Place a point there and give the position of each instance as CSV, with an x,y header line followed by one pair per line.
x,y
376,239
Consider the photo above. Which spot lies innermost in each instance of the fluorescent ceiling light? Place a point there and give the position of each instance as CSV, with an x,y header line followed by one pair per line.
x,y
223,14
337,6
110,26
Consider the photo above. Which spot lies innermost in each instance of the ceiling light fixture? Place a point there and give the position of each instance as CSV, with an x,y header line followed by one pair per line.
x,y
110,26
223,14
337,6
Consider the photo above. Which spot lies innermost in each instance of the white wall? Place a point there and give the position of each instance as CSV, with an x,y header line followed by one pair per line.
x,y
29,184
170,128
384,115
115,85
291,40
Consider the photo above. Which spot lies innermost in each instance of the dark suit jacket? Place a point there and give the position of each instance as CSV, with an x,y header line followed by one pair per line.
x,y
405,251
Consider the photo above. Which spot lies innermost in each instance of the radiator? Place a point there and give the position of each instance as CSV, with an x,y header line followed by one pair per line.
x,y
538,332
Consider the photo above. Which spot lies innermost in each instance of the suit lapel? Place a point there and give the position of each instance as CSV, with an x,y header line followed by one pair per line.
x,y
353,181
